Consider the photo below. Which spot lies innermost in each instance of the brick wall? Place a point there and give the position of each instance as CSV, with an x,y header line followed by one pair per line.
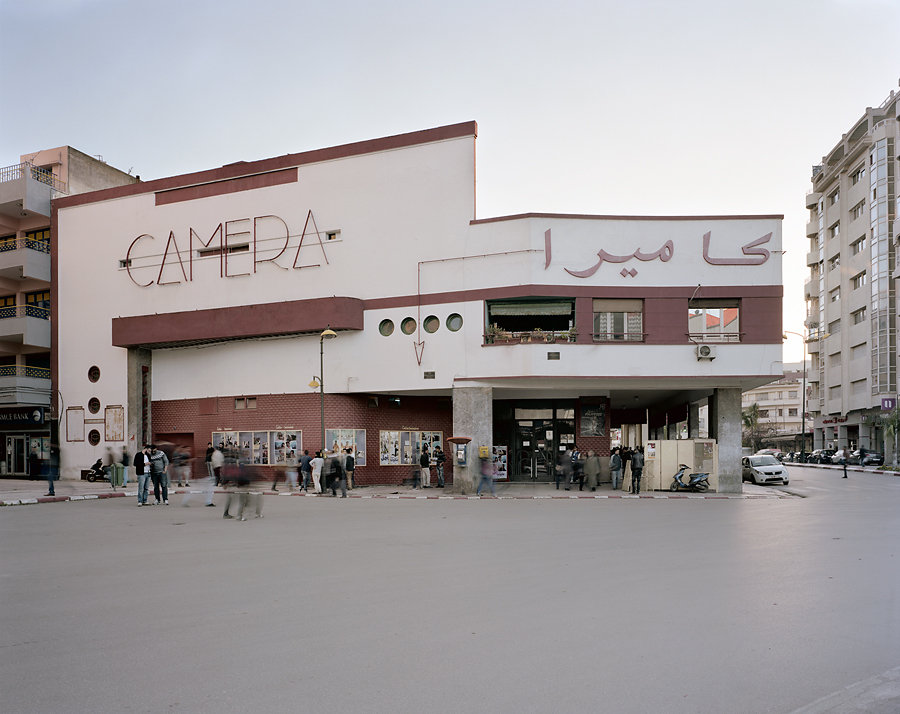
x,y
201,417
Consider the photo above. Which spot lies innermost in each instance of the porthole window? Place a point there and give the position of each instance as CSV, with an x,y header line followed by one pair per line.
x,y
431,324
94,437
386,328
454,322
94,373
93,405
408,326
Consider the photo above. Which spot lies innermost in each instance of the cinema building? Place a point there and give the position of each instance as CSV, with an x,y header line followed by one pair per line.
x,y
354,290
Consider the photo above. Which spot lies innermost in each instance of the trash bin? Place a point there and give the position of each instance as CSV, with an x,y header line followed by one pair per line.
x,y
116,475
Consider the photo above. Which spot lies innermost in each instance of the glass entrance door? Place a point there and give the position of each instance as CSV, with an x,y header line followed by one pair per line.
x,y
16,455
533,450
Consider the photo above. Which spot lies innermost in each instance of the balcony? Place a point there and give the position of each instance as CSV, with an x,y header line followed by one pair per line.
x,y
811,288
22,258
812,258
26,190
27,325
812,199
812,228
504,337
24,385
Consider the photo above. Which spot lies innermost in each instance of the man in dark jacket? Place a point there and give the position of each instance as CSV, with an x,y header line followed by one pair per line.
x,y
159,462
142,474
637,468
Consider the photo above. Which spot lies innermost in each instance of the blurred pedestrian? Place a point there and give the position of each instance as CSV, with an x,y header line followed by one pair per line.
x,y
349,466
487,476
317,464
181,464
637,468
305,469
439,460
615,467
592,470
336,475
217,461
159,466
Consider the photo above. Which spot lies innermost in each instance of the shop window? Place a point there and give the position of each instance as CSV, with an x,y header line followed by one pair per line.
x,y
712,320
340,439
454,322
618,320
408,326
403,448
386,328
263,448
518,319
431,324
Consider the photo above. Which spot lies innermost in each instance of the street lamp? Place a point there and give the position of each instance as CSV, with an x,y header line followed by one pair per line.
x,y
803,420
319,381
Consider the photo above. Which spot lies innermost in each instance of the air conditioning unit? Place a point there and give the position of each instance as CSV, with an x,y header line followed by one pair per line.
x,y
706,351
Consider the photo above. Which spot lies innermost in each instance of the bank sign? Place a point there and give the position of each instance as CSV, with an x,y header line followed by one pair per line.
x,y
23,416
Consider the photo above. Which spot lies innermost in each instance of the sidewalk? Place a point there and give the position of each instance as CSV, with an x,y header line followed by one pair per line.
x,y
16,492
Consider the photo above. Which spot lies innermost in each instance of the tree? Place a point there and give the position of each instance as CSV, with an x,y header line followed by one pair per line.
x,y
752,431
891,424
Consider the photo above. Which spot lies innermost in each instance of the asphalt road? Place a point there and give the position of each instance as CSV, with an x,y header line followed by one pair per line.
x,y
770,605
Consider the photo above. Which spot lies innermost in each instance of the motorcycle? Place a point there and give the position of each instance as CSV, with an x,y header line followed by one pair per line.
x,y
97,472
698,482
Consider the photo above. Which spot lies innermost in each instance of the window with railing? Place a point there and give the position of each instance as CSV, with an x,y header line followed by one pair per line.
x,y
714,320
33,240
618,320
531,319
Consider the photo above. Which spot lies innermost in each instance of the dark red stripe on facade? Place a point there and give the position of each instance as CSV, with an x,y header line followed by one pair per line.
x,y
219,188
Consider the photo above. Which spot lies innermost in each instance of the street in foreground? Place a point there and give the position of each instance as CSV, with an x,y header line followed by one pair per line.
x,y
624,605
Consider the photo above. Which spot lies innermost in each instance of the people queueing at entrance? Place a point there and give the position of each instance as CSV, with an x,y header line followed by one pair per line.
x,y
439,460
615,468
637,468
317,464
159,465
425,465
305,470
142,474
577,468
592,469
487,475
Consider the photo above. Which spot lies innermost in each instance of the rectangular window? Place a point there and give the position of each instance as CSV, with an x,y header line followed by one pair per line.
x,y
7,306
834,392
618,320
264,447
858,210
835,230
858,387
835,262
332,235
792,394
858,246
37,304
857,281
834,197
340,439
548,319
792,411
834,295
835,359
713,320
834,327
244,403
763,413
858,175
858,316
403,448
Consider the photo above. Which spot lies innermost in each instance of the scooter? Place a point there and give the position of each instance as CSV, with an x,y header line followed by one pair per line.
x,y
96,472
698,482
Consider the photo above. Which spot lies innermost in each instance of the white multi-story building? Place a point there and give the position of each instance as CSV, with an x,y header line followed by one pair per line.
x,y
201,310
852,310
780,403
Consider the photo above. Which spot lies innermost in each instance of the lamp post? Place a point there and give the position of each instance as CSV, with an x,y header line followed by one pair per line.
x,y
803,418
319,381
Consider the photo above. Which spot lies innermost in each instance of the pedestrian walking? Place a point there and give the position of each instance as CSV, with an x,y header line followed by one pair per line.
x,y
349,466
125,464
181,464
425,465
142,474
217,461
337,477
159,466
637,468
844,461
592,469
439,460
305,469
317,464
487,476
615,467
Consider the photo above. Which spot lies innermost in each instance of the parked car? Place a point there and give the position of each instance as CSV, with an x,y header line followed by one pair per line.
x,y
777,453
763,468
839,455
870,459
820,456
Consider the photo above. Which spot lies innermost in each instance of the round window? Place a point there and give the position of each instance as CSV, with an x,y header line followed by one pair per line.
x,y
94,373
431,324
386,328
454,322
408,326
94,437
93,405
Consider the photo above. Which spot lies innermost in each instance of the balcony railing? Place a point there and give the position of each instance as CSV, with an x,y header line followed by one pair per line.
x,y
9,244
707,337
15,370
42,313
503,337
619,336
17,171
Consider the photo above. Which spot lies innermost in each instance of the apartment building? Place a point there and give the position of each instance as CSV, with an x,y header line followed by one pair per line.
x,y
851,301
27,404
780,403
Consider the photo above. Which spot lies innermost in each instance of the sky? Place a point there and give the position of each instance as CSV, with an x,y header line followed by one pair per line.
x,y
650,107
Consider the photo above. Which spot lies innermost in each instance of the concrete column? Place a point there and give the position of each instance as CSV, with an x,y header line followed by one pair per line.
x,y
694,420
473,416
137,360
725,405
843,442
818,438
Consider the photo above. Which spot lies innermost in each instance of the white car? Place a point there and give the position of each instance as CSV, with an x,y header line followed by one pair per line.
x,y
763,468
